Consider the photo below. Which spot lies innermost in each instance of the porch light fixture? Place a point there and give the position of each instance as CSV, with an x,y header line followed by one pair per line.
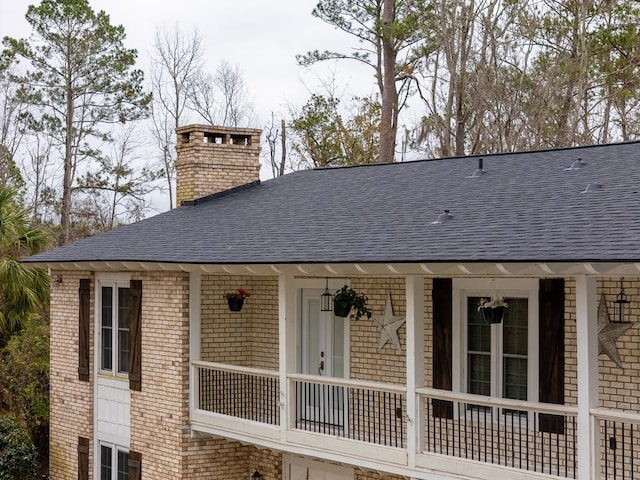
x,y
256,474
325,299
622,305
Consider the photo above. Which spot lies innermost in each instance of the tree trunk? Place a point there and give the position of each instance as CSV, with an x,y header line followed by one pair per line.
x,y
389,114
284,149
68,159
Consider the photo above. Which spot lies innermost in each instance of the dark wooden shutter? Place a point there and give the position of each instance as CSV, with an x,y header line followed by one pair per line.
x,y
135,466
84,311
442,297
135,326
83,458
551,354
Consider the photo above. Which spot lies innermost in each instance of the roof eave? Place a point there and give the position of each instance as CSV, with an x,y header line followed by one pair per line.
x,y
429,269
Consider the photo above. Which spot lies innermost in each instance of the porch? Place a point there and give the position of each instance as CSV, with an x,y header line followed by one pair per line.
x,y
405,426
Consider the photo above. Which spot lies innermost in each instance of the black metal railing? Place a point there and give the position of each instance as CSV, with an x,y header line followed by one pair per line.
x,y
248,394
369,413
502,432
619,444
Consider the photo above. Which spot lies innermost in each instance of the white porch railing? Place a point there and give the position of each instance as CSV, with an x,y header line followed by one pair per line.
x,y
535,437
486,433
369,412
239,392
619,434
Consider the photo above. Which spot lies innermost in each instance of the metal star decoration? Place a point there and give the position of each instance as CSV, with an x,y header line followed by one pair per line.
x,y
389,325
608,333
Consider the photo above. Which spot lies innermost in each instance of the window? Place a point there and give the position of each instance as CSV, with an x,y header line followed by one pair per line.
x,y
499,360
114,327
497,355
113,463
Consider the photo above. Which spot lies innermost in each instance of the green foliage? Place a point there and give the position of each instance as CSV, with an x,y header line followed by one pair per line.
x,y
24,383
324,136
18,458
80,78
348,296
24,293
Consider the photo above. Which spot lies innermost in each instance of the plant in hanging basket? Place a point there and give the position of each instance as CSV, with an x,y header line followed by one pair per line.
x,y
235,298
492,309
347,299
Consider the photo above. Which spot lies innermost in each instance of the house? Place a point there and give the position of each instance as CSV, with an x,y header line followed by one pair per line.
x,y
153,375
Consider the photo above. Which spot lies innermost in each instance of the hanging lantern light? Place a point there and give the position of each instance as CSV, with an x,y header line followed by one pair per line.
x,y
622,305
325,299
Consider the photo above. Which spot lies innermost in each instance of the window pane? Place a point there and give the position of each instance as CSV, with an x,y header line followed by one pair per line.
x,y
515,378
123,465
478,331
516,327
105,463
106,362
479,374
123,330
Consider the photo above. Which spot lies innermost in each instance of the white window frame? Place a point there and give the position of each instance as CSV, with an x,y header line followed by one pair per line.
x,y
115,449
485,287
115,281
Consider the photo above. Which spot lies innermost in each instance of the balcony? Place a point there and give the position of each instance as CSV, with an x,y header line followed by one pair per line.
x,y
368,423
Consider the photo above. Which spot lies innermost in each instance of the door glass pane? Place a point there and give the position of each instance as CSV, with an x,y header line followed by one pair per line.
x,y
479,331
105,463
479,374
106,362
123,465
337,359
123,330
515,349
479,350
313,337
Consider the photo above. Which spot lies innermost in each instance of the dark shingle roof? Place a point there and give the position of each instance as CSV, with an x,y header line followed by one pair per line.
x,y
526,207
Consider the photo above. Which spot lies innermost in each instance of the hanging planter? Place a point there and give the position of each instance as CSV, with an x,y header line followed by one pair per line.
x,y
493,310
342,309
346,299
235,299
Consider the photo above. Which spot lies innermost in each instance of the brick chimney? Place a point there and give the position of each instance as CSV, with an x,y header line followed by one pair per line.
x,y
212,159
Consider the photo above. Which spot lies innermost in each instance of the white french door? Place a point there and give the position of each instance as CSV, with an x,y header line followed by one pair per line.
x,y
324,353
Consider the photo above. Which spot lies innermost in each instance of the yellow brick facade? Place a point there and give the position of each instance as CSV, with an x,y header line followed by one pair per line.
x,y
160,414
71,400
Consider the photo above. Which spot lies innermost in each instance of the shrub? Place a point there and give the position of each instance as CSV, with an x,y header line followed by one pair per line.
x,y
18,456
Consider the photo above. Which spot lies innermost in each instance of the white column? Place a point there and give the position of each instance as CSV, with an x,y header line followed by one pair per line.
x,y
286,348
587,339
194,333
415,364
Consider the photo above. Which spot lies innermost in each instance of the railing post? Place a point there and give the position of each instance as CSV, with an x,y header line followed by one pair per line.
x,y
194,336
415,365
287,348
587,343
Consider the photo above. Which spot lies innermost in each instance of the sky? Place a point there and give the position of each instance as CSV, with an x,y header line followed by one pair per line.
x,y
261,37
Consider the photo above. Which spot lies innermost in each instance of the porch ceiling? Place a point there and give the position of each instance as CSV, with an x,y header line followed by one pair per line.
x,y
480,269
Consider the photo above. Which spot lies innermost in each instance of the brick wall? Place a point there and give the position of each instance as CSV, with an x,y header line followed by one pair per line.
x,y
160,412
619,386
247,338
212,159
367,363
71,400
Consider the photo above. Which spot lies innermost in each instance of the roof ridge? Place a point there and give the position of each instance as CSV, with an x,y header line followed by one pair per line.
x,y
484,155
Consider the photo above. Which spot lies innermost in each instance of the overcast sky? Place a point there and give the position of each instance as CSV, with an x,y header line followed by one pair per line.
x,y
262,37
